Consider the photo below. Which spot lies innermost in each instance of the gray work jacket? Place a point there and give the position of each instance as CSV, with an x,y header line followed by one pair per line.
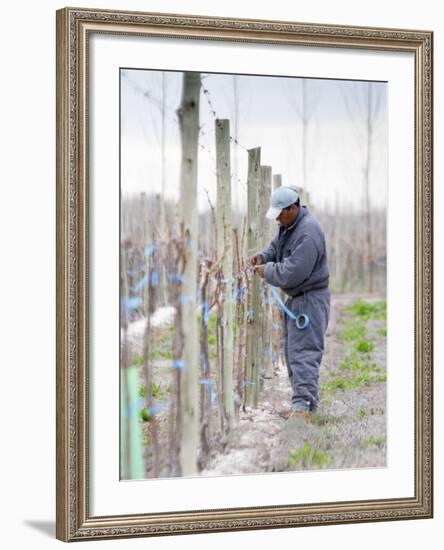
x,y
296,258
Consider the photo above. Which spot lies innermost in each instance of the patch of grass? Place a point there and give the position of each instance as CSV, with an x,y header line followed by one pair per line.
x,y
357,372
358,363
160,354
307,456
348,383
362,413
152,356
338,384
211,332
382,331
328,431
211,340
364,346
352,362
156,391
137,361
352,331
374,442
145,414
368,310
320,420
211,324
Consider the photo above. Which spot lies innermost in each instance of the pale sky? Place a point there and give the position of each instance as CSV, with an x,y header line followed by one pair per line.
x,y
268,116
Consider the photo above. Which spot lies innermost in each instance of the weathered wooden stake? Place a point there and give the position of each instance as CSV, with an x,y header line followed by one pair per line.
x,y
277,317
206,386
254,311
187,223
266,235
225,250
277,181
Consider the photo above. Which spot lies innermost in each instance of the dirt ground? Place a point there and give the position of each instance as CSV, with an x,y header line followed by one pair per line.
x,y
348,430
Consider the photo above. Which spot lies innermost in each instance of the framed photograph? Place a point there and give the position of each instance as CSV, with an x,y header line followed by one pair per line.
x,y
244,274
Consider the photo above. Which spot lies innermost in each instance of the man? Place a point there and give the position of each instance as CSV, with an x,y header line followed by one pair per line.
x,y
296,262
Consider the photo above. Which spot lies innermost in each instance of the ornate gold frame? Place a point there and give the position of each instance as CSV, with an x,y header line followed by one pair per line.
x,y
73,519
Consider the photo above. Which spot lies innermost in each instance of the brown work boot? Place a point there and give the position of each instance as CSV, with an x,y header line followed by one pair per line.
x,y
298,414
291,413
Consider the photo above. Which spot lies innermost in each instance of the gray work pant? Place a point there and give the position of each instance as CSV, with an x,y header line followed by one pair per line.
x,y
304,348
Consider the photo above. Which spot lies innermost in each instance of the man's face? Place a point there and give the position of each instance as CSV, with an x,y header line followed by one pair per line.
x,y
287,215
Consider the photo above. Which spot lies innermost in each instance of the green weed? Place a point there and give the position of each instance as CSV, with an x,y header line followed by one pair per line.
x,y
368,310
137,361
364,346
160,354
348,383
307,456
145,414
374,442
352,362
328,431
362,413
352,331
319,420
357,373
156,391
211,340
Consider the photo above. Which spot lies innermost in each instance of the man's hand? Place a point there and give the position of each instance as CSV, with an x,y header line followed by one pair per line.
x,y
260,269
255,260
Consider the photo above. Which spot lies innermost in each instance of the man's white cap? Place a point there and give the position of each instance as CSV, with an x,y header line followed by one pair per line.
x,y
281,198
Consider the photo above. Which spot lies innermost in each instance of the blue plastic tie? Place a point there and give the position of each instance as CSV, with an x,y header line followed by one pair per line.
x,y
141,284
157,407
178,278
206,313
132,303
131,409
281,304
149,249
154,279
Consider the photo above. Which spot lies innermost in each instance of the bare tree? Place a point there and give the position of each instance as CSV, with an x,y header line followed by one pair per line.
x,y
363,111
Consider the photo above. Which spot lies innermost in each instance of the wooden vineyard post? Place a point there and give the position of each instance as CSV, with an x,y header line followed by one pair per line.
x,y
266,235
277,181
225,251
277,317
159,238
187,217
144,236
253,309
